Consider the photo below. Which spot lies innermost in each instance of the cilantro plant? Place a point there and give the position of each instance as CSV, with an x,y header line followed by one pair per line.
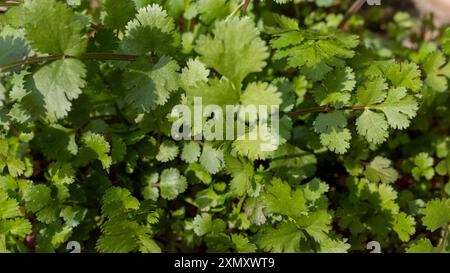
x,y
86,153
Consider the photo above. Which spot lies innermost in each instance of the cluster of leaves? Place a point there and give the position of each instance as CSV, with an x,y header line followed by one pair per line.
x,y
86,152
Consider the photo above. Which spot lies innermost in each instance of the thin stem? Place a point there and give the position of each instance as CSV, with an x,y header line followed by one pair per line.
x,y
85,56
444,238
322,109
9,4
109,57
242,6
31,61
353,9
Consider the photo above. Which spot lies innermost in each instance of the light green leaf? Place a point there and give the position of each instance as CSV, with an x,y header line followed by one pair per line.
x,y
212,159
51,27
333,134
172,183
436,214
373,126
60,83
380,170
235,50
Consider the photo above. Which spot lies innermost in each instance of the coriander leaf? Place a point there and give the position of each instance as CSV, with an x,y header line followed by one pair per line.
x,y
151,85
404,225
315,53
405,74
333,134
235,49
51,27
191,152
380,170
336,87
436,214
167,151
285,237
242,172
373,92
399,108
373,126
212,159
60,82
117,13
437,71
280,198
172,183
423,167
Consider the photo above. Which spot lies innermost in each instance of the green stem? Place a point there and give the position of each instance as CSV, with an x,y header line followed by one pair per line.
x,y
242,6
85,56
322,109
443,241
9,4
31,61
241,202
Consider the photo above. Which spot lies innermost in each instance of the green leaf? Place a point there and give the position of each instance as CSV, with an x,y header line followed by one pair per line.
x,y
446,42
95,147
212,9
151,21
51,27
242,172
399,108
315,53
373,126
281,199
117,13
191,152
254,149
118,201
333,134
334,246
37,197
437,71
261,94
284,238
423,167
12,50
317,224
73,216
314,189
336,87
9,208
60,83
380,170
204,224
373,92
405,74
61,173
168,151
150,85
212,159
118,237
404,225
422,246
195,72
19,227
242,244
172,184
436,214
235,50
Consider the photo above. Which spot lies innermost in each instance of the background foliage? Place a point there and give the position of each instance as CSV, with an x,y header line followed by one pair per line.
x,y
85,147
